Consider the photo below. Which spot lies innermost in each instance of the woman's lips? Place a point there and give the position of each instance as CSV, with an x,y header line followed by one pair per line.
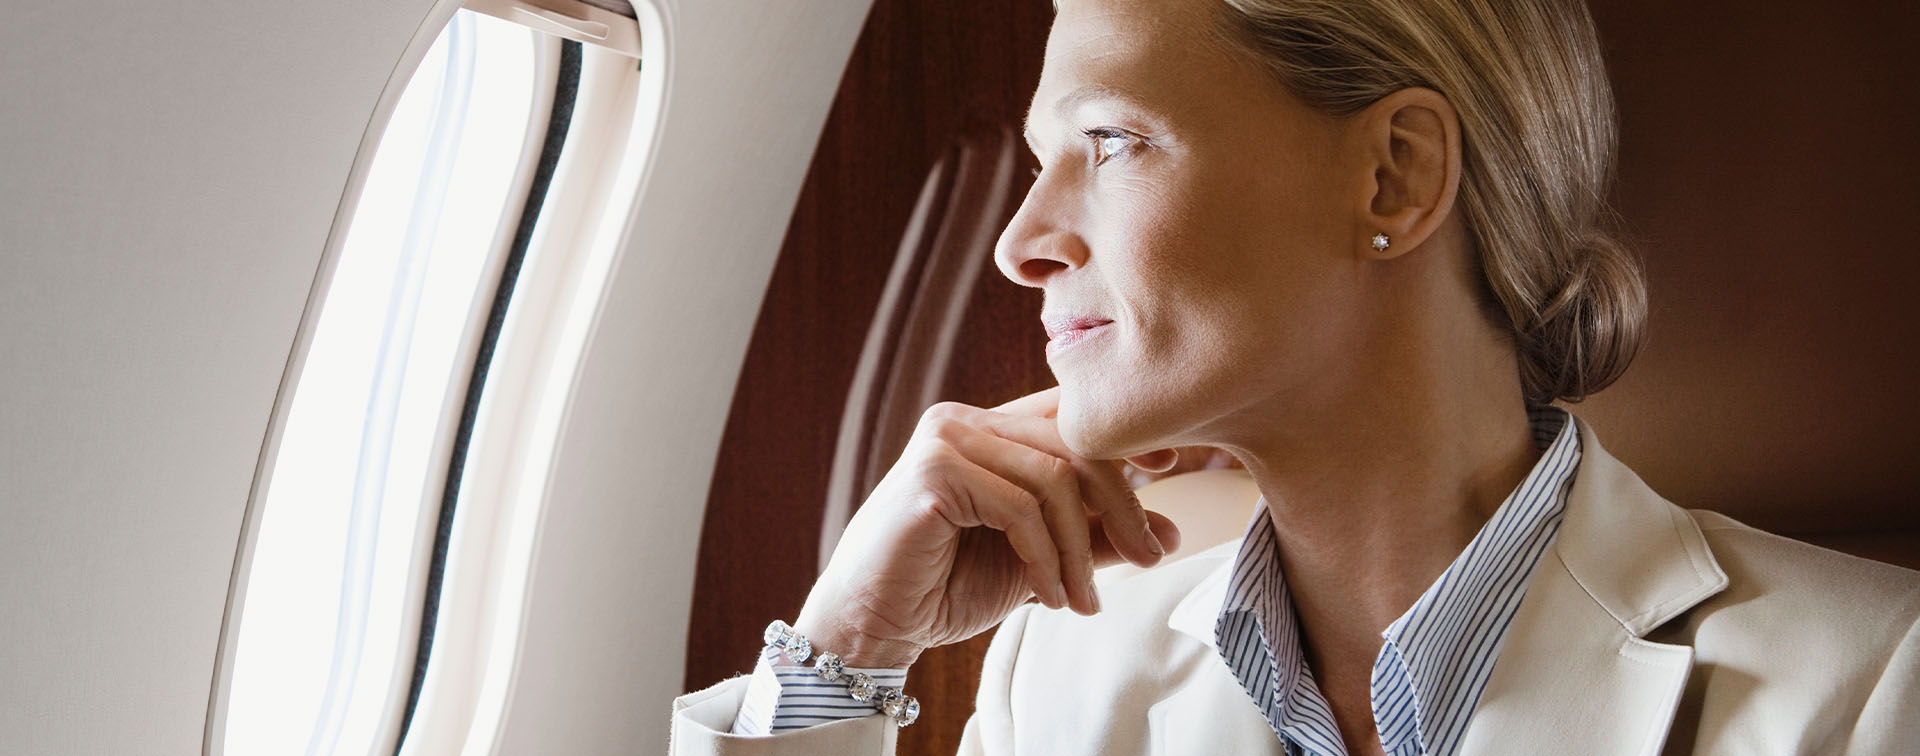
x,y
1065,332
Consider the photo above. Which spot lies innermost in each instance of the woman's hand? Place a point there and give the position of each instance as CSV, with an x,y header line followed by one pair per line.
x,y
984,509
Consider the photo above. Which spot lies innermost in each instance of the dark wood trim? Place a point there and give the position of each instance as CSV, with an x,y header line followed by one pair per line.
x,y
926,81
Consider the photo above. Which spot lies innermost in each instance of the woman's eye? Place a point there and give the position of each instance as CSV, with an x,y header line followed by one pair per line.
x,y
1108,143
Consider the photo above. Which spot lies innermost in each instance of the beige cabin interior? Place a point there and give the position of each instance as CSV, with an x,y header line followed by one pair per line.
x,y
804,269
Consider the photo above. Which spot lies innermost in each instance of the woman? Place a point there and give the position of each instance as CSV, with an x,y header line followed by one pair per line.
x,y
1362,246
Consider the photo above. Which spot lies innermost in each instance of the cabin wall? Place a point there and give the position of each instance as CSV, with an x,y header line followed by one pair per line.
x,y
170,176
1766,167
168,179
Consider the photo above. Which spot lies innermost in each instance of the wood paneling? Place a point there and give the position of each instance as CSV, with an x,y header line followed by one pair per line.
x,y
923,77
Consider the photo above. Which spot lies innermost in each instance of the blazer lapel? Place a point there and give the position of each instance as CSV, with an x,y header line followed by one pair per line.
x,y
1210,713
1575,673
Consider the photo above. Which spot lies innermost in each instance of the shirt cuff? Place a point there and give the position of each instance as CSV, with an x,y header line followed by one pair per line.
x,y
782,698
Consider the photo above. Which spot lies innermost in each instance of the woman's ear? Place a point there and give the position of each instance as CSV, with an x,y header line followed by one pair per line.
x,y
1410,145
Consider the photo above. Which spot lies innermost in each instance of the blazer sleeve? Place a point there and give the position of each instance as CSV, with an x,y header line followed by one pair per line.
x,y
703,720
703,724
1890,721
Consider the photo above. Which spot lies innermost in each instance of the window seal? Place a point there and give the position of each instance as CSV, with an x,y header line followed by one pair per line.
x,y
566,92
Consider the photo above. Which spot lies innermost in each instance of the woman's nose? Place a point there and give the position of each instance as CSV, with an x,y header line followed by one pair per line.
x,y
1038,244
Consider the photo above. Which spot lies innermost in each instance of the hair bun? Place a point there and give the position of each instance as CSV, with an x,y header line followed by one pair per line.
x,y
1534,180
1585,336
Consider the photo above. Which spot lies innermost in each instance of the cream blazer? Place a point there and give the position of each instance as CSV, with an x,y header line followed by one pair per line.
x,y
1648,629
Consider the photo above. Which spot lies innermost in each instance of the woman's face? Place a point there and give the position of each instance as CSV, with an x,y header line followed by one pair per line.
x,y
1192,228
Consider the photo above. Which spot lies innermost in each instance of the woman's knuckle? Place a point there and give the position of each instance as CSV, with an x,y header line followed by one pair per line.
x,y
945,428
934,503
941,411
1057,472
1017,501
938,461
1027,505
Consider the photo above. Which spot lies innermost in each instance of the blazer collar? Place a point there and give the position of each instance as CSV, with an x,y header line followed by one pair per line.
x,y
1575,670
1639,557
1197,613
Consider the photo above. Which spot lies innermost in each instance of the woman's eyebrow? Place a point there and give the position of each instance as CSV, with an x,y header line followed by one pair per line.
x,y
1067,102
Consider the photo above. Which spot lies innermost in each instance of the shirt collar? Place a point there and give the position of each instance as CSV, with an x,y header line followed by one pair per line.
x,y
1442,649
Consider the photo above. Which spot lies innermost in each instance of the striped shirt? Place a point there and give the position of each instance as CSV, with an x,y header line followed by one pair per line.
x,y
782,698
1435,659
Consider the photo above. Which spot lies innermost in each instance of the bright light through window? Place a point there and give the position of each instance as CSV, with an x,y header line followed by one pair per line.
x,y
329,620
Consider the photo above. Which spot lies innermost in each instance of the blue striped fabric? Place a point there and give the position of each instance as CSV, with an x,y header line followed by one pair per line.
x,y
1436,658
782,698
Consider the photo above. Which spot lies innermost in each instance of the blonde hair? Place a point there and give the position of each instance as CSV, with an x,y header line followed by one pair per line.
x,y
1538,133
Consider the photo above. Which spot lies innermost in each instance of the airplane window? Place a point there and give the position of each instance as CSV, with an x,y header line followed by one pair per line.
x,y
389,562
325,647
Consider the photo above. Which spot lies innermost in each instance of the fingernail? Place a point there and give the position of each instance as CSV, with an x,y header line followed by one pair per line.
x,y
1093,595
1060,596
1153,544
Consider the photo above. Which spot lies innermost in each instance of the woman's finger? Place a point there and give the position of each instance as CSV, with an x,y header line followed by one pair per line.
x,y
1053,483
1156,461
1128,528
1105,555
1037,404
1103,490
988,499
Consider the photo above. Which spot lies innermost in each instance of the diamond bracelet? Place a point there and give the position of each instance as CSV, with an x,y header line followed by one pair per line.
x,y
898,706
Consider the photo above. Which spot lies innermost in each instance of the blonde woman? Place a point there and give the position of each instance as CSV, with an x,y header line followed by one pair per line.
x,y
1362,246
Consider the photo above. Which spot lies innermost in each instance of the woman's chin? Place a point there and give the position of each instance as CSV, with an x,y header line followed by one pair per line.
x,y
1096,431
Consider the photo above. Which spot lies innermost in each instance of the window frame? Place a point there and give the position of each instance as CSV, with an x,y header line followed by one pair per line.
x,y
563,307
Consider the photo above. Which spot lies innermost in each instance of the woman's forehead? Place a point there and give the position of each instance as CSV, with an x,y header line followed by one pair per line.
x,y
1164,56
1092,30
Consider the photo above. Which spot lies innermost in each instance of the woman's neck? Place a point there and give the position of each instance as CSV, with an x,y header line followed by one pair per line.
x,y
1370,515
1404,457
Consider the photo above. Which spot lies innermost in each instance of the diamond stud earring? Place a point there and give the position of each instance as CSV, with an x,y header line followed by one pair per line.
x,y
1380,242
